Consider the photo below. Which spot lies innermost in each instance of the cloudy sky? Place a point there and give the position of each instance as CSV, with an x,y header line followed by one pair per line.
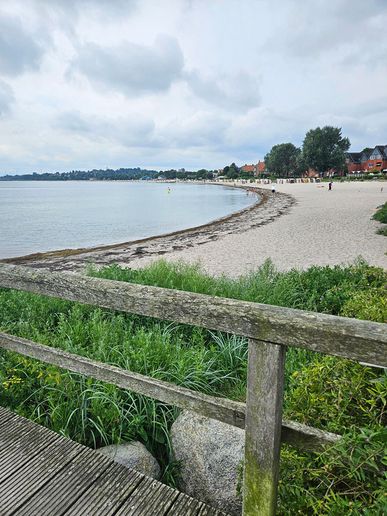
x,y
184,83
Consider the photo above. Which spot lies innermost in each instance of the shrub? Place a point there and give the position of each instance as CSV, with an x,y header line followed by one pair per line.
x,y
348,478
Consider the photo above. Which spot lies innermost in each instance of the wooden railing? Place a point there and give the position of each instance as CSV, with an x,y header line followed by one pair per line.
x,y
270,330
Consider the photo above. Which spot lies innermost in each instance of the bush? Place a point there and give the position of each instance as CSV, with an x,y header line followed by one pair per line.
x,y
348,478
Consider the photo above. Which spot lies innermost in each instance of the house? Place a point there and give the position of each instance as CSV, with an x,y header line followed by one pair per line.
x,y
377,160
261,168
248,169
368,160
353,162
256,170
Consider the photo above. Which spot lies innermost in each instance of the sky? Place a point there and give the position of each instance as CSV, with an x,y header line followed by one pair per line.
x,y
184,83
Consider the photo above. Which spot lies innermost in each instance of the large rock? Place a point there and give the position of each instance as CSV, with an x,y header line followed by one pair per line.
x,y
135,456
210,454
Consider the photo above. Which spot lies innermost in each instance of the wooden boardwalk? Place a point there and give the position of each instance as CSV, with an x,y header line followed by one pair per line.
x,y
45,474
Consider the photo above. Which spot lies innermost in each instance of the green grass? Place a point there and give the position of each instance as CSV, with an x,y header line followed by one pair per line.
x,y
326,392
381,216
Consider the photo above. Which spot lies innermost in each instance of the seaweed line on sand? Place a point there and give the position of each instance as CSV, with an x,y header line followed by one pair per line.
x,y
268,207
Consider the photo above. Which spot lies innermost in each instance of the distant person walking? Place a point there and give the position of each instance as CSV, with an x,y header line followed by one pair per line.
x,y
330,185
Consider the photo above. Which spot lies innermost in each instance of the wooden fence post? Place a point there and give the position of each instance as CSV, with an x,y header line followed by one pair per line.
x,y
265,381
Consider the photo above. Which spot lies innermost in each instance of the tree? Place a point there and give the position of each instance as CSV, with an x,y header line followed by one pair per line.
x,y
324,149
232,171
283,160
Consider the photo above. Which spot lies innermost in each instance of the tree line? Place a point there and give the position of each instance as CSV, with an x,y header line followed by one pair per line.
x,y
323,150
85,175
111,174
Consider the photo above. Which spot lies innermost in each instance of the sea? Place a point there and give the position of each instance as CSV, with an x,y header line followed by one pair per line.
x,y
39,216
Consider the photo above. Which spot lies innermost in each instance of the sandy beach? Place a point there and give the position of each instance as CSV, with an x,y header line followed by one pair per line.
x,y
321,228
298,226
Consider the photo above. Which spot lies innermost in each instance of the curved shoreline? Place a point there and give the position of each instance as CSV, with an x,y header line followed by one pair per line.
x,y
264,210
62,253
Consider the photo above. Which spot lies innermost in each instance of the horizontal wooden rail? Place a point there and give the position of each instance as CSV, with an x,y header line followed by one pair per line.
x,y
227,411
350,338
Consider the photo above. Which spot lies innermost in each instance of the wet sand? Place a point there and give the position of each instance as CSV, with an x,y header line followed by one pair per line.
x,y
298,226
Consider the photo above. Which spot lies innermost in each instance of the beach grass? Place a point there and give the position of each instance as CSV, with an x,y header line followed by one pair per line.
x,y
327,392
381,216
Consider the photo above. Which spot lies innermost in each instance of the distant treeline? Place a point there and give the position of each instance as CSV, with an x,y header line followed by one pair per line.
x,y
82,175
110,174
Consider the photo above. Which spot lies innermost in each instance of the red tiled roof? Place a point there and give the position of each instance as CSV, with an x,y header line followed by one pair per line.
x,y
248,168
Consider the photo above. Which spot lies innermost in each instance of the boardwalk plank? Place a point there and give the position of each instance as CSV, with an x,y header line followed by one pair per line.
x,y
108,493
151,496
60,492
20,487
185,506
44,474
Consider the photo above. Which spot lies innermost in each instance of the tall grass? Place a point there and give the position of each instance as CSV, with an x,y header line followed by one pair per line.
x,y
96,414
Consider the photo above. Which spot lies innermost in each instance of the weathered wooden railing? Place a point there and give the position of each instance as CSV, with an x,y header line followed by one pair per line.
x,y
270,330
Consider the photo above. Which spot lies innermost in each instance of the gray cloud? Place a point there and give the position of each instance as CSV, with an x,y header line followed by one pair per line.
x,y
128,131
312,29
203,129
65,14
6,98
132,69
74,7
236,92
19,50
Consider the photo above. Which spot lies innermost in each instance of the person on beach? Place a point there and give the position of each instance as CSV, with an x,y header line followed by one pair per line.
x,y
330,185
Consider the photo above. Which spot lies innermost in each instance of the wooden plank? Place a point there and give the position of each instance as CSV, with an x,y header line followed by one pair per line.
x,y
306,437
18,455
185,506
20,442
263,428
218,408
224,410
150,498
108,493
354,339
68,478
17,489
66,487
206,510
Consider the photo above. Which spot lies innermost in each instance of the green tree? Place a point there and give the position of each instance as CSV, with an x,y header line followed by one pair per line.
x,y
283,160
232,171
324,149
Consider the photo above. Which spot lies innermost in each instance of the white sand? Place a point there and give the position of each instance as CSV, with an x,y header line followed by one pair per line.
x,y
323,227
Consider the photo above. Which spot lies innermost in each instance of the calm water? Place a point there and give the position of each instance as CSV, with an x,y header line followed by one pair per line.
x,y
43,216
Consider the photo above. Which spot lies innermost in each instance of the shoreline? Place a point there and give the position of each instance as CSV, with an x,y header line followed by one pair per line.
x,y
267,207
102,247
